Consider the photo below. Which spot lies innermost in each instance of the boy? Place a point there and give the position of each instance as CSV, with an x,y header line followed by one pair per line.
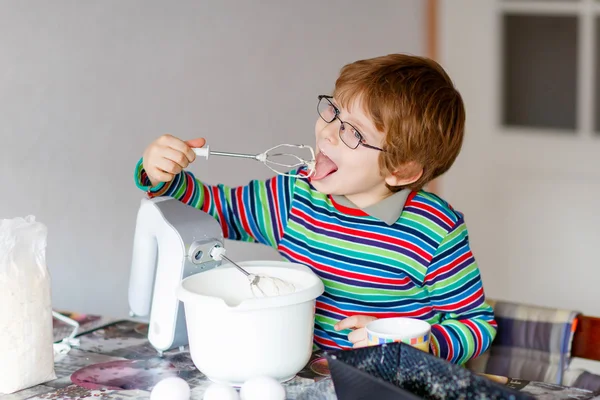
x,y
382,246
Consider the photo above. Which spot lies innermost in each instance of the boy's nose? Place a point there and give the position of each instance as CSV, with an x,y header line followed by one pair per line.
x,y
331,132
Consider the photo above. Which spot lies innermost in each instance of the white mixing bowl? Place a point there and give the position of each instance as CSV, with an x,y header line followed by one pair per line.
x,y
234,337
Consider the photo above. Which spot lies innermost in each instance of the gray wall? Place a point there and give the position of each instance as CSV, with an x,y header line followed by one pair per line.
x,y
86,86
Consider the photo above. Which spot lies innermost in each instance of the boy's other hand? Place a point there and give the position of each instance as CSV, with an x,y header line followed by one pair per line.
x,y
167,156
357,323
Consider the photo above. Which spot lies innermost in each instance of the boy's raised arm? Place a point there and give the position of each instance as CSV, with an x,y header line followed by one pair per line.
x,y
256,212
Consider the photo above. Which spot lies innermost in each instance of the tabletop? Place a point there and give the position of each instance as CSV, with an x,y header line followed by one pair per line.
x,y
115,361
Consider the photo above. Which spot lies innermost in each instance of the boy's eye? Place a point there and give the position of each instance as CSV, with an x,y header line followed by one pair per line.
x,y
330,112
357,135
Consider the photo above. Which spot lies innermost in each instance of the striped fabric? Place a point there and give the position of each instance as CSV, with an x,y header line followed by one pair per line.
x,y
420,267
534,344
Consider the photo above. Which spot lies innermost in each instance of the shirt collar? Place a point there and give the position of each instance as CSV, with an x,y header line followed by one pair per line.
x,y
387,210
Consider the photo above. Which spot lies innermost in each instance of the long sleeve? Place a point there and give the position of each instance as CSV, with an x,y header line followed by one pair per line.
x,y
256,212
467,327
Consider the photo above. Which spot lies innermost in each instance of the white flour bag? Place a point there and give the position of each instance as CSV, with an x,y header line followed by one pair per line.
x,y
26,339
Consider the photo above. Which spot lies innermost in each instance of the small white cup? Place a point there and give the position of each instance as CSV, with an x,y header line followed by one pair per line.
x,y
414,332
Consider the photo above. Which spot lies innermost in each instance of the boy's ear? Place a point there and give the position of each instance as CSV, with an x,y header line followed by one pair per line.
x,y
405,175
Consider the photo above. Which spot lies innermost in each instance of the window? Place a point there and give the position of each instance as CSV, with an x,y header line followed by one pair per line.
x,y
540,71
549,79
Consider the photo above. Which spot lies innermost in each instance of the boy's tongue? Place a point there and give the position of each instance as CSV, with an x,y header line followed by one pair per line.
x,y
323,167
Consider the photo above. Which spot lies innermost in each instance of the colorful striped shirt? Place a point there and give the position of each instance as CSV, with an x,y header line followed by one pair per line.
x,y
421,266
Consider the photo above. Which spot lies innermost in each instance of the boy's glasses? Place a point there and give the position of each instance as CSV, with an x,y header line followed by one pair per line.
x,y
349,135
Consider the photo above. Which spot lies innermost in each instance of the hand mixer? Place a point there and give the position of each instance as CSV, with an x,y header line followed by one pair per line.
x,y
173,241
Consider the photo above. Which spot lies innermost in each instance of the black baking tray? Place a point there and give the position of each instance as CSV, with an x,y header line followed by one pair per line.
x,y
397,371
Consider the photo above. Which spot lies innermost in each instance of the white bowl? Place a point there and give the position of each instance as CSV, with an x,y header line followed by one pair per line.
x,y
234,337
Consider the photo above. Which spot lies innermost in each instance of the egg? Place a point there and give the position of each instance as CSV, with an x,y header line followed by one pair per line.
x,y
262,388
172,388
218,391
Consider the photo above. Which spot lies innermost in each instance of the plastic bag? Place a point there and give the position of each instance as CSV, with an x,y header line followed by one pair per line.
x,y
26,338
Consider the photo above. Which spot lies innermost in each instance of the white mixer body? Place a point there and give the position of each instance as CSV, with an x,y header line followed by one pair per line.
x,y
172,241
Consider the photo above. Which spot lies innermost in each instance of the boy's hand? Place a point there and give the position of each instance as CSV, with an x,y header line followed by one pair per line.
x,y
357,323
167,156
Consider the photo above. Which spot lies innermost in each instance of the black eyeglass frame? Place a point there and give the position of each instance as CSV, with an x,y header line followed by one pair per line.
x,y
336,115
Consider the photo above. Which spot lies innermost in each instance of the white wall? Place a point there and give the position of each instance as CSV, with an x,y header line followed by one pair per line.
x,y
530,199
85,86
